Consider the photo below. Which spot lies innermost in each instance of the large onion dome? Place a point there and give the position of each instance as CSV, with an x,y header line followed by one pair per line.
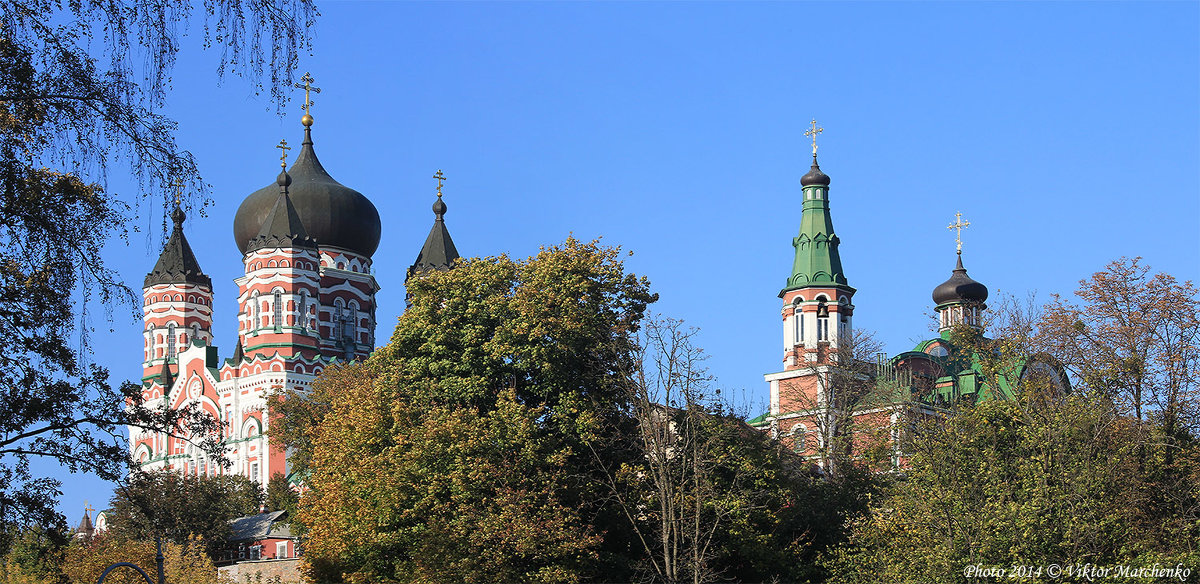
x,y
959,288
333,214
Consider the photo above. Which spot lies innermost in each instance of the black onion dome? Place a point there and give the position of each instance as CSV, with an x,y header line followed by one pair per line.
x,y
333,214
814,176
959,288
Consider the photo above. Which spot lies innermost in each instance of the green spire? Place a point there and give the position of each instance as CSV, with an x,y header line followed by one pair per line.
x,y
817,261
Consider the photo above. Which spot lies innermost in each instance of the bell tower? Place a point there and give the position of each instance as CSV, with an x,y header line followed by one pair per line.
x,y
816,314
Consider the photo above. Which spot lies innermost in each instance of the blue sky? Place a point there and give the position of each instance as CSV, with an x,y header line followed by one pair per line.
x,y
1067,133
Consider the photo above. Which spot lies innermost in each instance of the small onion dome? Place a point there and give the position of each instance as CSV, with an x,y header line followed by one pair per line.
x,y
959,288
333,214
814,176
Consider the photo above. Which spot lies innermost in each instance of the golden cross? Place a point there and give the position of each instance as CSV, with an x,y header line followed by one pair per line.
x,y
440,177
87,508
813,132
283,147
307,87
178,184
958,226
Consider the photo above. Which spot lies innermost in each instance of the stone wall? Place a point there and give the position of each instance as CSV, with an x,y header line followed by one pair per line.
x,y
263,571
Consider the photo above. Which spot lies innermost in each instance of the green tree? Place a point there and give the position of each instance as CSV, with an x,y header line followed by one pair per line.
x,y
34,555
1047,477
280,495
455,452
178,507
70,105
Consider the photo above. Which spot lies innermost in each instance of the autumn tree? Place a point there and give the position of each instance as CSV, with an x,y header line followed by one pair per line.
x,y
455,453
187,561
191,509
71,105
1135,336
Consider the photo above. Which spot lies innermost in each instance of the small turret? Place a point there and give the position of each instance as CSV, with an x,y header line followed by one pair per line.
x,y
439,252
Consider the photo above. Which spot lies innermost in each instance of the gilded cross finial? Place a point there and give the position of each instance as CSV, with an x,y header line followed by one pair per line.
x,y
813,133
958,226
178,184
87,508
307,86
283,148
440,177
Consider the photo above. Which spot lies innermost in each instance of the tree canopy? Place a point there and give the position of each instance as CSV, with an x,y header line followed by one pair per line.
x,y
71,103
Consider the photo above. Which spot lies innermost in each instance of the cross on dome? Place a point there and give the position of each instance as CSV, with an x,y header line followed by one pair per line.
x,y
283,147
813,133
958,226
308,88
440,177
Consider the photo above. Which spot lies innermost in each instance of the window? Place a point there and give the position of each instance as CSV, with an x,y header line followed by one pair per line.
x,y
339,323
281,549
151,335
302,311
278,305
822,321
797,324
256,552
171,342
352,320
800,440
192,467
257,312
254,471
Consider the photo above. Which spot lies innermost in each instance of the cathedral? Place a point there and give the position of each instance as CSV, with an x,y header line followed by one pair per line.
x,y
307,299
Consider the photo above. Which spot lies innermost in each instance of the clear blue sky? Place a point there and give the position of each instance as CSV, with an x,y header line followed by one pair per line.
x,y
1067,133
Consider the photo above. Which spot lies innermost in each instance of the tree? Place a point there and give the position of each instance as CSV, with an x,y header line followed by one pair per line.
x,y
34,555
709,497
456,451
182,562
1136,337
280,495
69,104
182,509
1005,483
1046,477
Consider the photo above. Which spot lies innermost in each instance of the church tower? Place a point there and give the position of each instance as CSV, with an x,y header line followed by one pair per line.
x,y
816,312
177,306
960,300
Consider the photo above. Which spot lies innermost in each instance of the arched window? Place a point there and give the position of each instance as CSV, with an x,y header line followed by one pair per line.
x,y
797,323
800,440
150,330
822,321
339,323
195,331
278,312
351,331
257,311
171,342
302,311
